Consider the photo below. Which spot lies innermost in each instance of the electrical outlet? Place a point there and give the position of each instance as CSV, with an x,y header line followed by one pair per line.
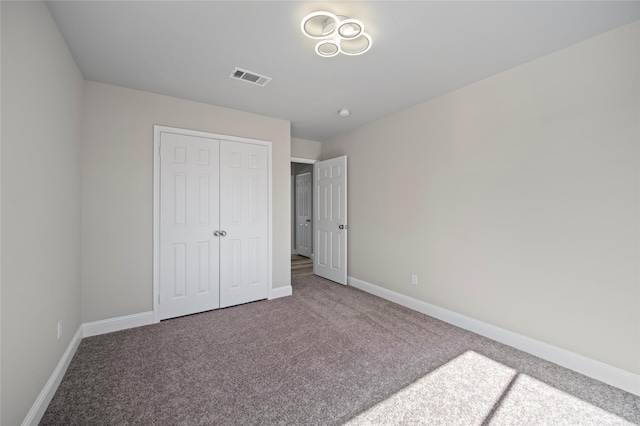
x,y
414,279
59,329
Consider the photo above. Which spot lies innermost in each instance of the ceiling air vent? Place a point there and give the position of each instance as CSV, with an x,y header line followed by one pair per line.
x,y
250,77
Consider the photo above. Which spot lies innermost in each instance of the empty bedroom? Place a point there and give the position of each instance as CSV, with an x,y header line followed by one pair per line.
x,y
319,213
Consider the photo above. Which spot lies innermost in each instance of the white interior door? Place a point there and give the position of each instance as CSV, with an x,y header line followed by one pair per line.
x,y
189,252
331,219
303,214
243,223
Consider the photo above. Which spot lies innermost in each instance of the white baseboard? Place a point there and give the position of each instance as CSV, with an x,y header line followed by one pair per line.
x,y
278,292
589,367
85,330
46,395
116,324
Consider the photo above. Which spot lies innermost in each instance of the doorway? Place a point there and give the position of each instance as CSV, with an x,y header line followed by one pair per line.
x,y
328,219
301,208
303,217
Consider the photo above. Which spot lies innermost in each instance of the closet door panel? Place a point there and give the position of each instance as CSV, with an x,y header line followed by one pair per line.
x,y
189,252
244,221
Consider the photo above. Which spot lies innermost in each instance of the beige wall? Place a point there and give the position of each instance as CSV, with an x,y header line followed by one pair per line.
x,y
515,199
117,161
41,126
303,148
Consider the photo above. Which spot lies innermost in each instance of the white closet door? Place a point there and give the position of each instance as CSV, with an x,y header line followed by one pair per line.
x,y
243,223
331,219
189,252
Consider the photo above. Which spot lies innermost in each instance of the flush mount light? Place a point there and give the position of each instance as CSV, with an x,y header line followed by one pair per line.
x,y
344,112
337,34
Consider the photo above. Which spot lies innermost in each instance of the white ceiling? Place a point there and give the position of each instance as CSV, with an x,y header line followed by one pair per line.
x,y
421,49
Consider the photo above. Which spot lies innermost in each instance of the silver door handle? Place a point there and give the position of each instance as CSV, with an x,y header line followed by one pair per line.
x,y
341,227
223,233
216,233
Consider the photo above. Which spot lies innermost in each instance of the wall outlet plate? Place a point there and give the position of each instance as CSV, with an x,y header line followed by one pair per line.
x,y
414,279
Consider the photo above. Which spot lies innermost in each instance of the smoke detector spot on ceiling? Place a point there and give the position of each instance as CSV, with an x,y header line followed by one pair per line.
x,y
249,77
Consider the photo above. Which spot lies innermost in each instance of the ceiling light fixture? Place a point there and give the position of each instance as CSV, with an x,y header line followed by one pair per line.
x,y
344,112
337,34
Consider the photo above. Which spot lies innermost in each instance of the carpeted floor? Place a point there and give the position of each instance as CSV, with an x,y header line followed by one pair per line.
x,y
329,354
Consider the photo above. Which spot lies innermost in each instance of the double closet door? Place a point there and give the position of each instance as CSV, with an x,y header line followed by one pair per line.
x,y
213,224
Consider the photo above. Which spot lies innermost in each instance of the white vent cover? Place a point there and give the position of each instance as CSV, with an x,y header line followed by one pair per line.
x,y
250,77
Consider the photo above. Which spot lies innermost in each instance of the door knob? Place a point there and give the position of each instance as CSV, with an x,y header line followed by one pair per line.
x,y
216,233
223,233
341,227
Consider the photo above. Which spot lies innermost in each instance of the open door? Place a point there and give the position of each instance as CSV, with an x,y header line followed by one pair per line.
x,y
330,214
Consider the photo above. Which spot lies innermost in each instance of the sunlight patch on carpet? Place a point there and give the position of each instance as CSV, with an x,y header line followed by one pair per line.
x,y
475,390
463,391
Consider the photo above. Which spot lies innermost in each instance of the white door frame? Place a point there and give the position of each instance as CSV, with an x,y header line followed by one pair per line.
x,y
157,130
303,160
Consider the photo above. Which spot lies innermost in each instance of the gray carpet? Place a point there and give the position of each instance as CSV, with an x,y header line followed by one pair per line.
x,y
329,354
